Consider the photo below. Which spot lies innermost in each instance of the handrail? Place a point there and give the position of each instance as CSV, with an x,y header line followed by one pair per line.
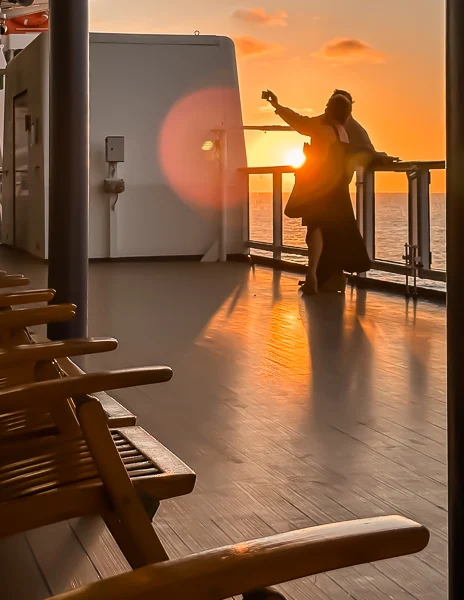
x,y
418,263
396,167
268,170
417,257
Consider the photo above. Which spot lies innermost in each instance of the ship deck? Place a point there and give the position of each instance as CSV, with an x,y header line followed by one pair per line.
x,y
293,412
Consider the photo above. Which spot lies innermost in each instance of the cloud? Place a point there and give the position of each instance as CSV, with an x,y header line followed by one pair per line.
x,y
350,50
250,46
267,108
259,16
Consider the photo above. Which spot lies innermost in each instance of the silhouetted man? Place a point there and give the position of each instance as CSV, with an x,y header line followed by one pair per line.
x,y
358,136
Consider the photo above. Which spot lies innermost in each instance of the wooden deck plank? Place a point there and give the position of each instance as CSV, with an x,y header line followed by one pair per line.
x,y
20,576
292,412
61,558
100,546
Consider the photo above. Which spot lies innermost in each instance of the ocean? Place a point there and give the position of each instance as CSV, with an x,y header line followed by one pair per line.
x,y
391,229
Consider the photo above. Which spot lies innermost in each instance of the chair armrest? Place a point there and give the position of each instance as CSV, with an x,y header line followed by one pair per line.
x,y
28,317
7,281
26,297
40,395
53,350
234,570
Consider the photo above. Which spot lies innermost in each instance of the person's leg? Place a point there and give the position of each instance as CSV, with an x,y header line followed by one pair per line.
x,y
336,283
330,275
315,244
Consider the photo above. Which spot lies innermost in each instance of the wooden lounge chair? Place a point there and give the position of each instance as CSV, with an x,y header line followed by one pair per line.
x,y
14,323
37,362
14,331
250,567
14,280
120,474
10,299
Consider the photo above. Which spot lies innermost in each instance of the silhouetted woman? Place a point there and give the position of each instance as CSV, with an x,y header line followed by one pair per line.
x,y
321,197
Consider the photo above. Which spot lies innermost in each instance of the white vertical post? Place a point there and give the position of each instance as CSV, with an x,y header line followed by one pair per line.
x,y
223,175
277,230
423,217
359,197
413,202
368,211
419,214
246,213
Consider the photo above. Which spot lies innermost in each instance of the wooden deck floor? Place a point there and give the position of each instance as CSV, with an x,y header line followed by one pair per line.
x,y
292,412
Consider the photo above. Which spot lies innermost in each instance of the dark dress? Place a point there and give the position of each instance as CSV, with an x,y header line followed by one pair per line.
x,y
330,170
332,213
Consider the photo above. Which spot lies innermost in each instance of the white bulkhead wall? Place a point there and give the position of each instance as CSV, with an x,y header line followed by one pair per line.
x,y
27,74
165,95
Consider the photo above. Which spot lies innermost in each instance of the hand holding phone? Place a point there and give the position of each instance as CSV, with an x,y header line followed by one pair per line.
x,y
270,97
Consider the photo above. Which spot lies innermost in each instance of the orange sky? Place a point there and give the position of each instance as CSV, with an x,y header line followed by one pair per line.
x,y
390,56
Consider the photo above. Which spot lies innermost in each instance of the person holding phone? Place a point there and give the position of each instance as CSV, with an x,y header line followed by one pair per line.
x,y
321,196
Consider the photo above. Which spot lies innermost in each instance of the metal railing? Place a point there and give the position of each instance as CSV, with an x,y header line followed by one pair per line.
x,y
418,256
417,259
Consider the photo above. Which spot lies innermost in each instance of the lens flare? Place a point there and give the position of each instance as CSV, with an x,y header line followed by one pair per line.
x,y
187,144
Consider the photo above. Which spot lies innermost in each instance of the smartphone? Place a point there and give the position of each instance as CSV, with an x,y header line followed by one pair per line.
x,y
265,96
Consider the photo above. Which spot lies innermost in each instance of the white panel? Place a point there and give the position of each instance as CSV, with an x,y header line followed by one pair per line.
x,y
136,81
133,89
27,72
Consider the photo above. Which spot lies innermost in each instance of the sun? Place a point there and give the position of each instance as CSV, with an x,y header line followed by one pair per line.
x,y
294,157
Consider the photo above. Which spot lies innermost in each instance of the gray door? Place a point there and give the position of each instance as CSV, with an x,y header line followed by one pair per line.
x,y
21,170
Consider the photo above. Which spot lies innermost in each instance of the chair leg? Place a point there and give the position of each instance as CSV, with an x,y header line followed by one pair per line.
x,y
264,594
125,516
126,541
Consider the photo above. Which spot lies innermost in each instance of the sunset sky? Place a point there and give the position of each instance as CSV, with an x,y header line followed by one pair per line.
x,y
389,55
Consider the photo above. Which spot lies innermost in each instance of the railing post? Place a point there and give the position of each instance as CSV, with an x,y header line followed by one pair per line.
x,y
359,196
223,174
277,230
419,213
423,191
368,210
246,213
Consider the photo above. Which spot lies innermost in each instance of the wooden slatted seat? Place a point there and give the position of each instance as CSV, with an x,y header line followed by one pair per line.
x,y
61,466
120,474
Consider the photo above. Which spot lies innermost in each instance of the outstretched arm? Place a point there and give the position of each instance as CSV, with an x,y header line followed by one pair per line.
x,y
300,123
360,143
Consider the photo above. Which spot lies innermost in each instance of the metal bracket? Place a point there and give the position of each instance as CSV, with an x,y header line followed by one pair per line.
x,y
414,264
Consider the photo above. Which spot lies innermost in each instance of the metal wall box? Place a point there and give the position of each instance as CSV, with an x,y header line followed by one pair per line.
x,y
114,148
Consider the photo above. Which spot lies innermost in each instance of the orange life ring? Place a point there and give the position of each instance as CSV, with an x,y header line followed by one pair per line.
x,y
28,23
